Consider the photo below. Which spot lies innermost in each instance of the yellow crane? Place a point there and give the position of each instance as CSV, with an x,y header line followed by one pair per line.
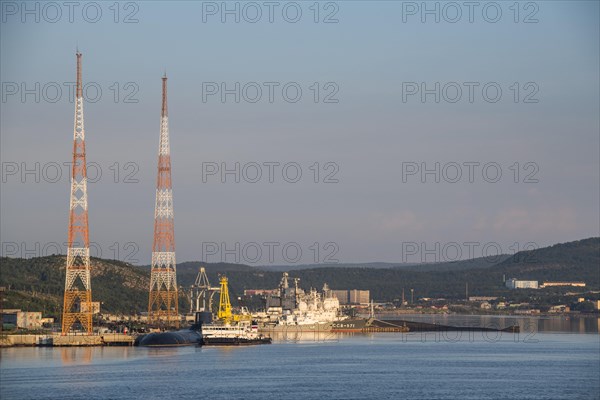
x,y
225,314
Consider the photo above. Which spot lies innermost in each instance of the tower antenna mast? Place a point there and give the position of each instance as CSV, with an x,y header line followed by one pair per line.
x,y
77,305
163,300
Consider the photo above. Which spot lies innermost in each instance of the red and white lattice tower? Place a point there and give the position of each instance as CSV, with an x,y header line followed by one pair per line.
x,y
163,300
78,290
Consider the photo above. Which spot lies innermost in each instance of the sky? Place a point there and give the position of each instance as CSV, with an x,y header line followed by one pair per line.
x,y
348,131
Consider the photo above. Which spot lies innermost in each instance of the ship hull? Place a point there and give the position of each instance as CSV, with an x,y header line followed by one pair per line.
x,y
185,337
320,327
349,325
208,341
414,326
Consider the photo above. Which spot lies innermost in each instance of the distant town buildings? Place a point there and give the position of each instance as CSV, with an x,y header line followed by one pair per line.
x,y
352,296
482,298
359,296
23,319
95,307
514,283
260,292
342,296
549,284
560,308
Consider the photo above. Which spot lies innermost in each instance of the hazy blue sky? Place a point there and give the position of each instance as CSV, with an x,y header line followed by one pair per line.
x,y
373,56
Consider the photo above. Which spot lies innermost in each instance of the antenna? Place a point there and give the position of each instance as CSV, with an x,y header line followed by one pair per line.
x,y
163,298
77,306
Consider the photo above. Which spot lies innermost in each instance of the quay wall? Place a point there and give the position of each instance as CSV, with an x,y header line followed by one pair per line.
x,y
110,339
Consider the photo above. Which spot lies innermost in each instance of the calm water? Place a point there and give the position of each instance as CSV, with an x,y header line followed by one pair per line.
x,y
532,325
374,366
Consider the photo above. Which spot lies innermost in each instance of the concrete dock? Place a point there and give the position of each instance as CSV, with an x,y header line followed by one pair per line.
x,y
51,340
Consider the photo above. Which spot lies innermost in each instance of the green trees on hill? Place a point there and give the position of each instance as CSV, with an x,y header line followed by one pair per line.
x,y
37,284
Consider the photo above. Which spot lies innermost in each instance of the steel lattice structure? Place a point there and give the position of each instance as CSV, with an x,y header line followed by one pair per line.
x,y
201,290
163,299
77,305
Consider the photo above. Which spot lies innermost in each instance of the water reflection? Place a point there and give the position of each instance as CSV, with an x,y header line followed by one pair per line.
x,y
298,336
159,352
76,355
531,324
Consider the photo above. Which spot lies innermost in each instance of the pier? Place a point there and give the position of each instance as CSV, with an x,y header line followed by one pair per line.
x,y
58,340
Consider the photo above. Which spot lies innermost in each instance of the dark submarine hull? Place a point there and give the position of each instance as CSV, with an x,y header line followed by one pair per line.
x,y
398,325
414,326
184,337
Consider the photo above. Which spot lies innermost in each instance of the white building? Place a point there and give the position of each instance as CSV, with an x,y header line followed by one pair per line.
x,y
514,283
95,307
22,319
549,284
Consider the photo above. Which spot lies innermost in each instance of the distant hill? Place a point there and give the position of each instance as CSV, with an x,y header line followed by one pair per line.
x,y
372,265
37,284
572,261
474,263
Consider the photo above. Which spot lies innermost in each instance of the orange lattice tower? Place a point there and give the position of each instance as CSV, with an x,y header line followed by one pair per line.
x,y
78,290
162,303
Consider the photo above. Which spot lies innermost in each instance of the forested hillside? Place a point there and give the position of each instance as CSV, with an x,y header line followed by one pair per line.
x,y
36,284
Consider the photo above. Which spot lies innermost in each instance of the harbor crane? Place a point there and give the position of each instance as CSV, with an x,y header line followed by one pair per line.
x,y
225,313
201,292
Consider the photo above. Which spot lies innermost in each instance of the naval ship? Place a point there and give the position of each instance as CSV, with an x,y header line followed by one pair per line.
x,y
230,329
232,334
291,309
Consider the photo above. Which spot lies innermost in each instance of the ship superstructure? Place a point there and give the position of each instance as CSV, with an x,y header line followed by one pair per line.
x,y
230,328
292,306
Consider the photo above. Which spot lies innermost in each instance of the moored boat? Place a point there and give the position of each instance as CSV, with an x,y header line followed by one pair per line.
x,y
236,334
230,329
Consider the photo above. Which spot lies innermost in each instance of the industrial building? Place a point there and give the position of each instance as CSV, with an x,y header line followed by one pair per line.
x,y
515,283
352,296
549,284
